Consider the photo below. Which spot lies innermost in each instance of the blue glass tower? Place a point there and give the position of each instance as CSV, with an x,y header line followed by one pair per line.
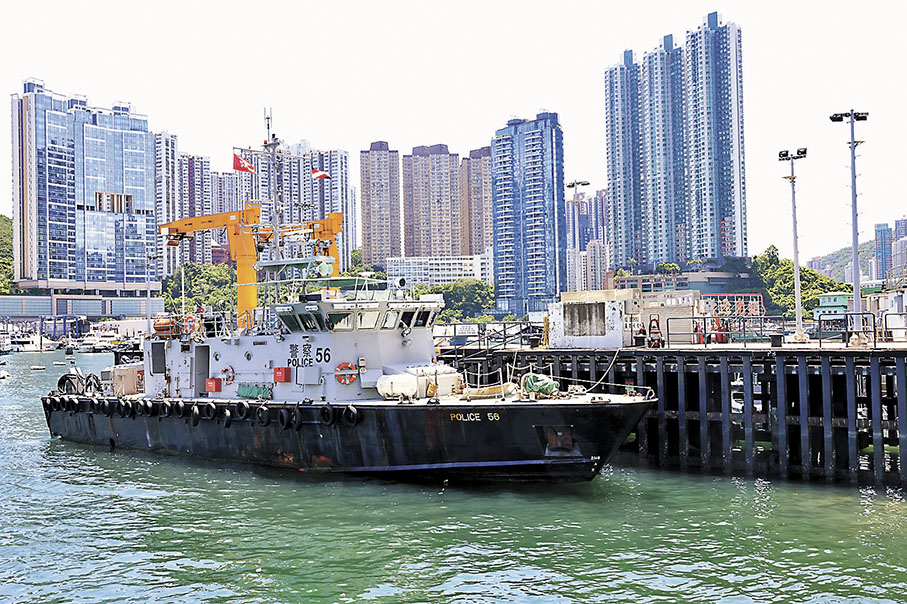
x,y
530,266
83,195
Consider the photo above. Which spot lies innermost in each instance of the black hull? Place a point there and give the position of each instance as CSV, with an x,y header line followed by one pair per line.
x,y
475,442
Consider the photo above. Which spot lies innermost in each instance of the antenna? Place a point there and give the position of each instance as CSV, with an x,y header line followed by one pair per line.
x,y
268,111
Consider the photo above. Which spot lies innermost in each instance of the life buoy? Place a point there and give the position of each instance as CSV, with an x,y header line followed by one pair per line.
x,y
263,415
350,376
190,324
327,414
229,374
242,410
351,415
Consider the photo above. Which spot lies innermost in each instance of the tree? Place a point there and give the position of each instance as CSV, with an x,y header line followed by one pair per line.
x,y
357,266
631,262
206,285
775,277
620,273
697,263
469,296
668,268
6,253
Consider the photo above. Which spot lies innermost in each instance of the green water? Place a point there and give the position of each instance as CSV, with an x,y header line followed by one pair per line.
x,y
83,524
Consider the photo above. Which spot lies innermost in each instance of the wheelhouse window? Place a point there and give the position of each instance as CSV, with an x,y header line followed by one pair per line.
x,y
368,319
422,318
407,319
291,323
342,321
390,320
308,322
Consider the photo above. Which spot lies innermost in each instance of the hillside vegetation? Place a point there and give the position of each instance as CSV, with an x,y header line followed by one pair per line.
x,y
774,278
839,259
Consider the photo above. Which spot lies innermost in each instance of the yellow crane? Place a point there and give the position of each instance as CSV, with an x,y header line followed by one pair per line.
x,y
244,235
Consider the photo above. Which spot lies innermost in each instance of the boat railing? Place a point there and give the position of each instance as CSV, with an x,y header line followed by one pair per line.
x,y
724,329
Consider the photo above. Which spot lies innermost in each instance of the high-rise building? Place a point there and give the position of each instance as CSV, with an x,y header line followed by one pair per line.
x,y
195,200
661,164
475,195
226,196
598,217
431,202
303,196
83,195
380,203
167,198
713,91
596,265
529,227
882,253
322,196
675,151
900,228
622,161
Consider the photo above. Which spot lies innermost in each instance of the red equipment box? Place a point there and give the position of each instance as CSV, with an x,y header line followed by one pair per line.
x,y
282,374
212,385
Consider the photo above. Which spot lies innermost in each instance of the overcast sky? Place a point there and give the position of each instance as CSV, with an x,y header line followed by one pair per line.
x,y
343,74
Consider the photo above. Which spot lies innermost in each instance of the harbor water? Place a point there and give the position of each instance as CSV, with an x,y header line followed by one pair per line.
x,y
89,525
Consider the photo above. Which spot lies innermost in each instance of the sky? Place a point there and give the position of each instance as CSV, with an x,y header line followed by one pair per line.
x,y
344,74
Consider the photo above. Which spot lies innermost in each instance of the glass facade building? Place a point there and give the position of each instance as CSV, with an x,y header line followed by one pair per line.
x,y
530,238
675,152
83,194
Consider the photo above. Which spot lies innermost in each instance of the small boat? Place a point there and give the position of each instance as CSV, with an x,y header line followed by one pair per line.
x,y
70,358
5,375
60,363
33,343
37,367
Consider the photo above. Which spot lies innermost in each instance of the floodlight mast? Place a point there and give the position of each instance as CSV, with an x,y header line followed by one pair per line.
x,y
800,335
858,116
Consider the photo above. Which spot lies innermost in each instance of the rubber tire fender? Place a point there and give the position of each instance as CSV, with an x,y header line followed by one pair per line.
x,y
108,408
298,419
149,408
242,410
47,403
284,419
351,415
228,418
180,409
166,409
139,407
210,410
94,405
263,415
327,414
196,415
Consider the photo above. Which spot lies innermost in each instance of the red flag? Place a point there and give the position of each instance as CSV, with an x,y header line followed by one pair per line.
x,y
319,173
242,164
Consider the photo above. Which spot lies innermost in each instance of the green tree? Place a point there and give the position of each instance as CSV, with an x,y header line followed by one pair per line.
x,y
471,297
697,263
668,268
620,273
357,266
206,285
774,276
6,253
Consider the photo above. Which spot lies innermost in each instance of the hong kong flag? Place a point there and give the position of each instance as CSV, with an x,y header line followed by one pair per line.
x,y
316,173
242,164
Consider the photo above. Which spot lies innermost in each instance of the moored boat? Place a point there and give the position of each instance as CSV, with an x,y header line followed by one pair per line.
x,y
337,375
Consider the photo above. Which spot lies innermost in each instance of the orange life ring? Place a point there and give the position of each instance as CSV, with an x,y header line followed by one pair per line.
x,y
229,374
347,378
190,324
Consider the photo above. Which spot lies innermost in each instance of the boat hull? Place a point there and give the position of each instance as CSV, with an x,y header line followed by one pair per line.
x,y
470,442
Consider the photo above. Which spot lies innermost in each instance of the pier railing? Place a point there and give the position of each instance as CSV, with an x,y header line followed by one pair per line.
x,y
853,324
725,329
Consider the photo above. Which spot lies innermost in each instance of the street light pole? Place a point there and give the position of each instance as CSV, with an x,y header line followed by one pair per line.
x,y
857,292
800,335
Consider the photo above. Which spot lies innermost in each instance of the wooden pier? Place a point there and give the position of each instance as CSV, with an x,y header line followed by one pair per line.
x,y
834,414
